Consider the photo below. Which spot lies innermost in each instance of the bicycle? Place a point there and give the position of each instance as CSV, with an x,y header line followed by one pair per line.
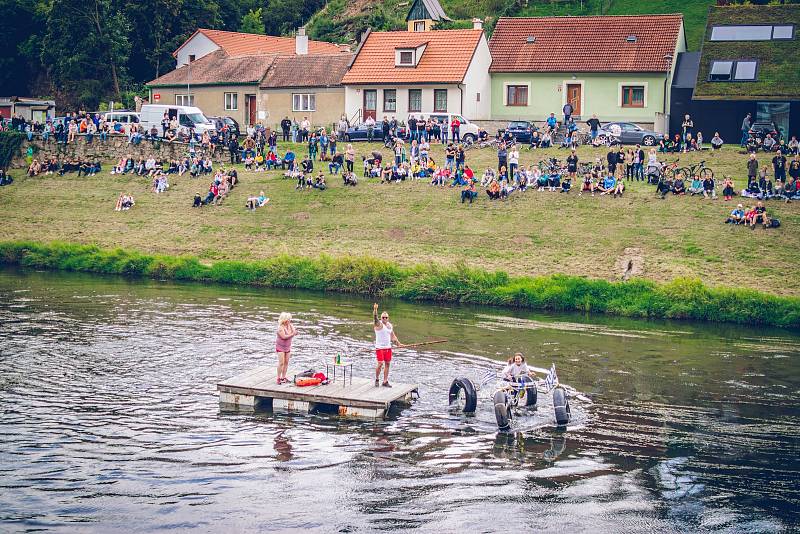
x,y
696,169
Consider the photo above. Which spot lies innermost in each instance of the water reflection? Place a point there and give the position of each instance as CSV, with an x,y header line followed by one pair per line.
x,y
110,419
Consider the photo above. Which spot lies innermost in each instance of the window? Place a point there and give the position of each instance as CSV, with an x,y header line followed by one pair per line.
x,y
184,100
231,101
720,71
764,32
191,57
304,102
517,95
632,96
390,100
783,32
740,71
406,57
745,70
775,112
415,100
419,26
440,100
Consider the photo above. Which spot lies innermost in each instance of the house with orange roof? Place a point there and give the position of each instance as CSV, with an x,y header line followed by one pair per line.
x,y
402,73
617,67
256,78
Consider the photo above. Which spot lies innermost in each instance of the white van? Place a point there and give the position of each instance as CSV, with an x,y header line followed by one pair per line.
x,y
467,130
188,117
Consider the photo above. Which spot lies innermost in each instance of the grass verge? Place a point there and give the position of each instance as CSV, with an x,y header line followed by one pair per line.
x,y
679,299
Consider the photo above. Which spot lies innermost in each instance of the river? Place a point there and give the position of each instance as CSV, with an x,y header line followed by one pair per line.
x,y
110,419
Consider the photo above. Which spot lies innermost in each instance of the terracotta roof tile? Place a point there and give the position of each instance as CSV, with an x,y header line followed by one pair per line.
x,y
320,70
445,60
216,68
248,44
584,44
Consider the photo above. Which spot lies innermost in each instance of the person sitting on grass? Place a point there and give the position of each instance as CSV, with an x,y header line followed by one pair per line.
x,y
248,162
222,191
728,189
566,184
288,160
469,192
790,190
271,161
709,188
760,216
259,162
736,216
212,194
198,200
336,164
678,187
696,186
319,182
716,142
664,187
769,143
349,178
493,191
588,183
607,185
753,190
619,187
5,178
256,202
124,202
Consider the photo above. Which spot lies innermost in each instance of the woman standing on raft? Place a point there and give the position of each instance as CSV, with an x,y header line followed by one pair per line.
x,y
283,344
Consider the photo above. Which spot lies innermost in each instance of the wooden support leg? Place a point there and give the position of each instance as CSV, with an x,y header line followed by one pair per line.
x,y
244,401
361,413
290,405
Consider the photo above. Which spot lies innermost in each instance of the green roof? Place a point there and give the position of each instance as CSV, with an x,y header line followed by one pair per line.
x,y
778,74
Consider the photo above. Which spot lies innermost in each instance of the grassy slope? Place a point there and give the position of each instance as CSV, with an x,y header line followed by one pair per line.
x,y
533,233
339,19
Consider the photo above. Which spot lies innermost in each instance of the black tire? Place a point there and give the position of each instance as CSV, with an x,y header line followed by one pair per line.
x,y
561,406
465,387
501,410
468,138
649,140
706,173
530,392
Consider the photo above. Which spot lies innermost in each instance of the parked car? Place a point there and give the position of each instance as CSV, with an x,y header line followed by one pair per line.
x,y
521,130
359,132
123,116
468,130
630,134
760,129
230,122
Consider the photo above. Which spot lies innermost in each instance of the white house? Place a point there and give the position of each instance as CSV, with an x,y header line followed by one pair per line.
x,y
398,73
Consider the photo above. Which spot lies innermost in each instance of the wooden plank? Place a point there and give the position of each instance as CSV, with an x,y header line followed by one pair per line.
x,y
241,377
251,377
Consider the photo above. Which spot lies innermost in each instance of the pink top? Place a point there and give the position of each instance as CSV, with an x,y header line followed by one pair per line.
x,y
281,344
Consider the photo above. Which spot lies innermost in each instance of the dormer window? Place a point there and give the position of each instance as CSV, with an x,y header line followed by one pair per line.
x,y
409,54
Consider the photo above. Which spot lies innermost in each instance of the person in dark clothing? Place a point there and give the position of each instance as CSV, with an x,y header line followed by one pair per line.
x,y
612,158
594,126
233,148
286,125
779,166
746,124
385,126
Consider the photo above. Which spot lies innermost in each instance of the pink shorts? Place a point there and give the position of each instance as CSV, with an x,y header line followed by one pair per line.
x,y
383,355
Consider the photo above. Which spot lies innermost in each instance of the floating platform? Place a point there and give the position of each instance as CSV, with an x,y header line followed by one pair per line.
x,y
360,398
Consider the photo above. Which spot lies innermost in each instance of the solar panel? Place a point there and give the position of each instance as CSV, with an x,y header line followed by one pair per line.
x,y
721,70
783,32
741,33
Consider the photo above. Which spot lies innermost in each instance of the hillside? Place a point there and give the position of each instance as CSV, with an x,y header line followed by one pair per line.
x,y
342,20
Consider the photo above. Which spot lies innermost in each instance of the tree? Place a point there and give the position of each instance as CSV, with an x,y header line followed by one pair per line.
x,y
253,22
284,16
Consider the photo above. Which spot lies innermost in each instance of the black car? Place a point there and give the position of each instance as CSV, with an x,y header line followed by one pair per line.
x,y
520,130
359,132
760,129
230,122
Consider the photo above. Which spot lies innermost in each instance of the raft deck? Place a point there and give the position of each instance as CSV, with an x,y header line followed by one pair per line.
x,y
257,388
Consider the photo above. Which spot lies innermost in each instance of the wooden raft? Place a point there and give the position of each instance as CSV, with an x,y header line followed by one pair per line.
x,y
258,389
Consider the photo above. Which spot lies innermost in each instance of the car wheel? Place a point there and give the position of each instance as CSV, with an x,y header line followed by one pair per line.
x,y
649,140
469,138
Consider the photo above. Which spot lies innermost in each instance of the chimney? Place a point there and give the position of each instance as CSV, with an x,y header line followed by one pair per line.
x,y
477,24
301,42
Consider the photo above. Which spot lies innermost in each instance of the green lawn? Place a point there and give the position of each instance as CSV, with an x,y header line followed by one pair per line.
x,y
694,14
412,222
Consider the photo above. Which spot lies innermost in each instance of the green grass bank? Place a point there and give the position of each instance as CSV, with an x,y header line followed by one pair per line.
x,y
679,299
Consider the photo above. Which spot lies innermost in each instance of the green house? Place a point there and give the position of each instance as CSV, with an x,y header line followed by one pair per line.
x,y
617,67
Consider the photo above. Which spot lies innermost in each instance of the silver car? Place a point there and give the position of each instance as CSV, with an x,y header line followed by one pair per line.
x,y
630,134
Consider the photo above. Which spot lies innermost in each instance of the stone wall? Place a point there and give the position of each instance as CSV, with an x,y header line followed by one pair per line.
x,y
115,147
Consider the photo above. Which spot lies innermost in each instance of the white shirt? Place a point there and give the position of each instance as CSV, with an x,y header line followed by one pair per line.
x,y
383,337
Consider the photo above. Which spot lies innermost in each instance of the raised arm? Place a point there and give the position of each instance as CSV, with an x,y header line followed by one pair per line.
x,y
375,320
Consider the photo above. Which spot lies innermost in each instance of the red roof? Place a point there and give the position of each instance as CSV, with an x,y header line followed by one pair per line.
x,y
446,58
249,44
585,44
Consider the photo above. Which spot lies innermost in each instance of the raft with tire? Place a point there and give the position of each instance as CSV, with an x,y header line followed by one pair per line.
x,y
508,395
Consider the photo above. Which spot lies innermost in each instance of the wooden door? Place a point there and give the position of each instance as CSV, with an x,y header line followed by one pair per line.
x,y
574,97
251,109
370,104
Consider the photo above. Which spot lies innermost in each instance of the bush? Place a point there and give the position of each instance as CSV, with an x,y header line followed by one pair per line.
x,y
679,299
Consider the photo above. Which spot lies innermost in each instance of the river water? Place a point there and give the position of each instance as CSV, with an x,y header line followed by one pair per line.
x,y
110,419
